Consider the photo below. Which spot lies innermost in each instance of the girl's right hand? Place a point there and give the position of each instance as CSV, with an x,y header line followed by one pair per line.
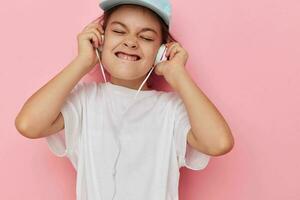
x,y
88,40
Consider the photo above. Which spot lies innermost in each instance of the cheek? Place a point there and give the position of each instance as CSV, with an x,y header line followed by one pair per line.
x,y
148,59
107,57
152,56
150,52
110,42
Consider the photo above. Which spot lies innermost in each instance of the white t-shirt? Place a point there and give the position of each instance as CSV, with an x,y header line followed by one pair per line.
x,y
152,135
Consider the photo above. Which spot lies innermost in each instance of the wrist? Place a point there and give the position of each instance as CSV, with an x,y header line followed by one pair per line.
x,y
83,63
79,66
177,77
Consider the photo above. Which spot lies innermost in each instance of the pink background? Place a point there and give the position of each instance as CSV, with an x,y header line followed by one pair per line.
x,y
243,54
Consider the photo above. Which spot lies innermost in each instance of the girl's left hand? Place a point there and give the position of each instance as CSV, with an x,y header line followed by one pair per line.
x,y
177,58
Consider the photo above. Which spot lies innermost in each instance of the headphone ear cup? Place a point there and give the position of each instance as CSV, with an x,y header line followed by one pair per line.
x,y
161,54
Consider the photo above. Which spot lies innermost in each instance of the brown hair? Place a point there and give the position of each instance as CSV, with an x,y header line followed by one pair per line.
x,y
154,81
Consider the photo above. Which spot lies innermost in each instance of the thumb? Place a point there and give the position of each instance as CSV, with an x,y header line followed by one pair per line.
x,y
158,69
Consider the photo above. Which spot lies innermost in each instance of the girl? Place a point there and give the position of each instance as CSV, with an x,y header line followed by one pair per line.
x,y
123,144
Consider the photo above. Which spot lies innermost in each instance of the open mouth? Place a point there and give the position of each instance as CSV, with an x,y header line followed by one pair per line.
x,y
127,57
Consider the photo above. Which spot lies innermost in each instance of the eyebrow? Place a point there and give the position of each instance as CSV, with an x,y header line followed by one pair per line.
x,y
143,29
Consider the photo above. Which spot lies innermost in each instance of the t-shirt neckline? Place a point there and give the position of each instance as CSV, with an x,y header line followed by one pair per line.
x,y
127,91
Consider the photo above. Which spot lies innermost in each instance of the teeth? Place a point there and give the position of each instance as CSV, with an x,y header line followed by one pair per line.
x,y
126,57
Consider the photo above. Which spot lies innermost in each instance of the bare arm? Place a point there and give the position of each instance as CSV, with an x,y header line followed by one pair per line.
x,y
209,131
42,109
40,115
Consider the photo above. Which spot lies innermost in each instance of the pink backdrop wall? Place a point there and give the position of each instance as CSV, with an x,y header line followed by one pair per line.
x,y
243,54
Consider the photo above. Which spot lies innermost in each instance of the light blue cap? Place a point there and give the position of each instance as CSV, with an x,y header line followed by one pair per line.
x,y
161,7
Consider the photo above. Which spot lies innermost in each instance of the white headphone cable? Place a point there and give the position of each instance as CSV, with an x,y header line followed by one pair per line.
x,y
102,70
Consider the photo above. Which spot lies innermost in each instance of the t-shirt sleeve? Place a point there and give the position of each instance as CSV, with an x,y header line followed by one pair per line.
x,y
187,155
66,141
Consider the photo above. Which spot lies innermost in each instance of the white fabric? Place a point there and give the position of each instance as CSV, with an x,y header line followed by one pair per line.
x,y
153,139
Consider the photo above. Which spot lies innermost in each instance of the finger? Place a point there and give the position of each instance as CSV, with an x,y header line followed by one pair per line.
x,y
96,31
170,49
169,44
97,26
172,54
93,38
94,25
100,29
175,50
158,69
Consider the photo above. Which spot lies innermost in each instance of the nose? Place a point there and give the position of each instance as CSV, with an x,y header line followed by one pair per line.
x,y
130,43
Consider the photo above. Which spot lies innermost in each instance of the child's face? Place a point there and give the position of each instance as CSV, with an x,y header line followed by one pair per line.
x,y
131,40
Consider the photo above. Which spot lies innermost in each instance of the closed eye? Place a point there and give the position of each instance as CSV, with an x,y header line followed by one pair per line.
x,y
118,31
121,32
147,39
